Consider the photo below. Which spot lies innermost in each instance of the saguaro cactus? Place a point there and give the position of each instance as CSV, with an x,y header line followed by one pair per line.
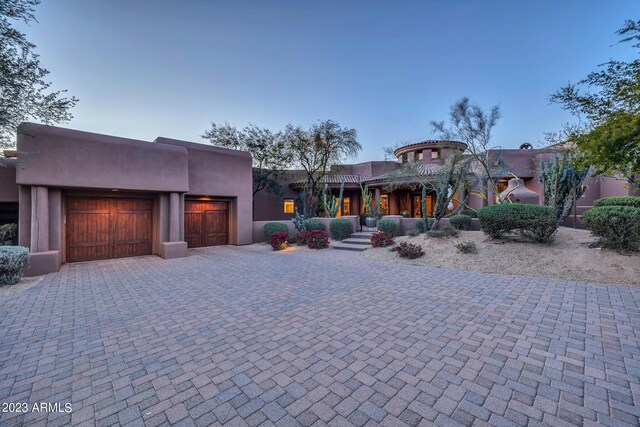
x,y
332,204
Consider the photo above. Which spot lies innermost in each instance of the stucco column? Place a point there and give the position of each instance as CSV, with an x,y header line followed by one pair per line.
x,y
174,217
39,219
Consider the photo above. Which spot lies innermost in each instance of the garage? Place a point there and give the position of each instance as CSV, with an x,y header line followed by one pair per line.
x,y
206,223
104,228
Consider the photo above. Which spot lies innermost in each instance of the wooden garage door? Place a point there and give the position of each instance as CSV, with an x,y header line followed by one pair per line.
x,y
100,228
206,223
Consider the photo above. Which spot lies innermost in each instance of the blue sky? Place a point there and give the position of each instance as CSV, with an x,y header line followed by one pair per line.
x,y
143,69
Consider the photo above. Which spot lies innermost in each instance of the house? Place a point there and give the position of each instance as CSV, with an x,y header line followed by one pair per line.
x,y
82,196
431,155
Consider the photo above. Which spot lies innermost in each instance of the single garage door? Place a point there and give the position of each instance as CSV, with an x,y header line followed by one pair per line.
x,y
206,223
102,228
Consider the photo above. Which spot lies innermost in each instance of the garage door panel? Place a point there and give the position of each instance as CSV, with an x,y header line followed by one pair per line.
x,y
206,223
102,228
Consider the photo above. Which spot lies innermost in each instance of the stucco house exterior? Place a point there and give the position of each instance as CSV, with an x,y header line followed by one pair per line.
x,y
431,155
82,196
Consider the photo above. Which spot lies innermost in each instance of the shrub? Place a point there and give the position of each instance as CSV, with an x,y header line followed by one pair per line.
x,y
318,239
469,212
381,239
450,231
302,237
533,221
279,241
271,228
408,250
13,260
291,239
388,226
617,226
312,224
618,201
437,233
413,233
421,225
467,247
460,222
340,228
8,233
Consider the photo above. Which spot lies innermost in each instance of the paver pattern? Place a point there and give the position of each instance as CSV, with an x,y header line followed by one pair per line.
x,y
241,336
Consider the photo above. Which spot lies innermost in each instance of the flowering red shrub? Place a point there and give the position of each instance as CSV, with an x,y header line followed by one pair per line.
x,y
318,239
408,250
381,239
279,240
302,237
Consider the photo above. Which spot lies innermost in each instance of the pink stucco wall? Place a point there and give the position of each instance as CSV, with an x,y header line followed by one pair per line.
x,y
8,186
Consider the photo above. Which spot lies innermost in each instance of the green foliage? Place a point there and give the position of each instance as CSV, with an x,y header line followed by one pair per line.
x,y
388,225
13,260
8,233
298,220
617,226
468,247
437,233
607,104
460,222
382,239
279,241
563,185
469,212
312,224
340,228
618,201
332,205
269,153
450,231
408,250
24,91
318,239
423,226
271,228
533,221
413,233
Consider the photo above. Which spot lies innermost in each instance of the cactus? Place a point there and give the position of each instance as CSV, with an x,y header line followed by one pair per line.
x,y
367,198
563,185
332,206
423,206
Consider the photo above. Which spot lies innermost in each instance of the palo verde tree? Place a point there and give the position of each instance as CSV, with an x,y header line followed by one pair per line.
x,y
473,126
315,151
24,90
268,150
606,104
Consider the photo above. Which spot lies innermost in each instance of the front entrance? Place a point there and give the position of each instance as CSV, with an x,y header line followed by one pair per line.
x,y
206,223
104,228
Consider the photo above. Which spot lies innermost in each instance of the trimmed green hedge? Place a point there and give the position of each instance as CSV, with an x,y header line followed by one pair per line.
x,y
271,228
312,224
618,226
533,221
469,212
340,228
388,226
461,222
13,261
618,201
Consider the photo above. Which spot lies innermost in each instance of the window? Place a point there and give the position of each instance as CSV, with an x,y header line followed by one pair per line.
x,y
384,204
346,206
420,155
288,205
501,185
435,154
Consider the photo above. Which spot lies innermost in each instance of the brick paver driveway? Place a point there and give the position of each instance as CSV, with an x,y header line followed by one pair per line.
x,y
245,336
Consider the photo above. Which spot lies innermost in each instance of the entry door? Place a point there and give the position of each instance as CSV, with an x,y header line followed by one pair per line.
x,y
103,228
206,223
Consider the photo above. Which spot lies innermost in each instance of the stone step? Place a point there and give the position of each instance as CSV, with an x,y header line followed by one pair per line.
x,y
348,247
364,235
352,241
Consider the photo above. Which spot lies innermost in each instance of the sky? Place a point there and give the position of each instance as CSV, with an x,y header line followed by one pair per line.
x,y
149,68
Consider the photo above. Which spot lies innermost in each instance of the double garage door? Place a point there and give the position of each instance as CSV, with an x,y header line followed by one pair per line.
x,y
104,228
